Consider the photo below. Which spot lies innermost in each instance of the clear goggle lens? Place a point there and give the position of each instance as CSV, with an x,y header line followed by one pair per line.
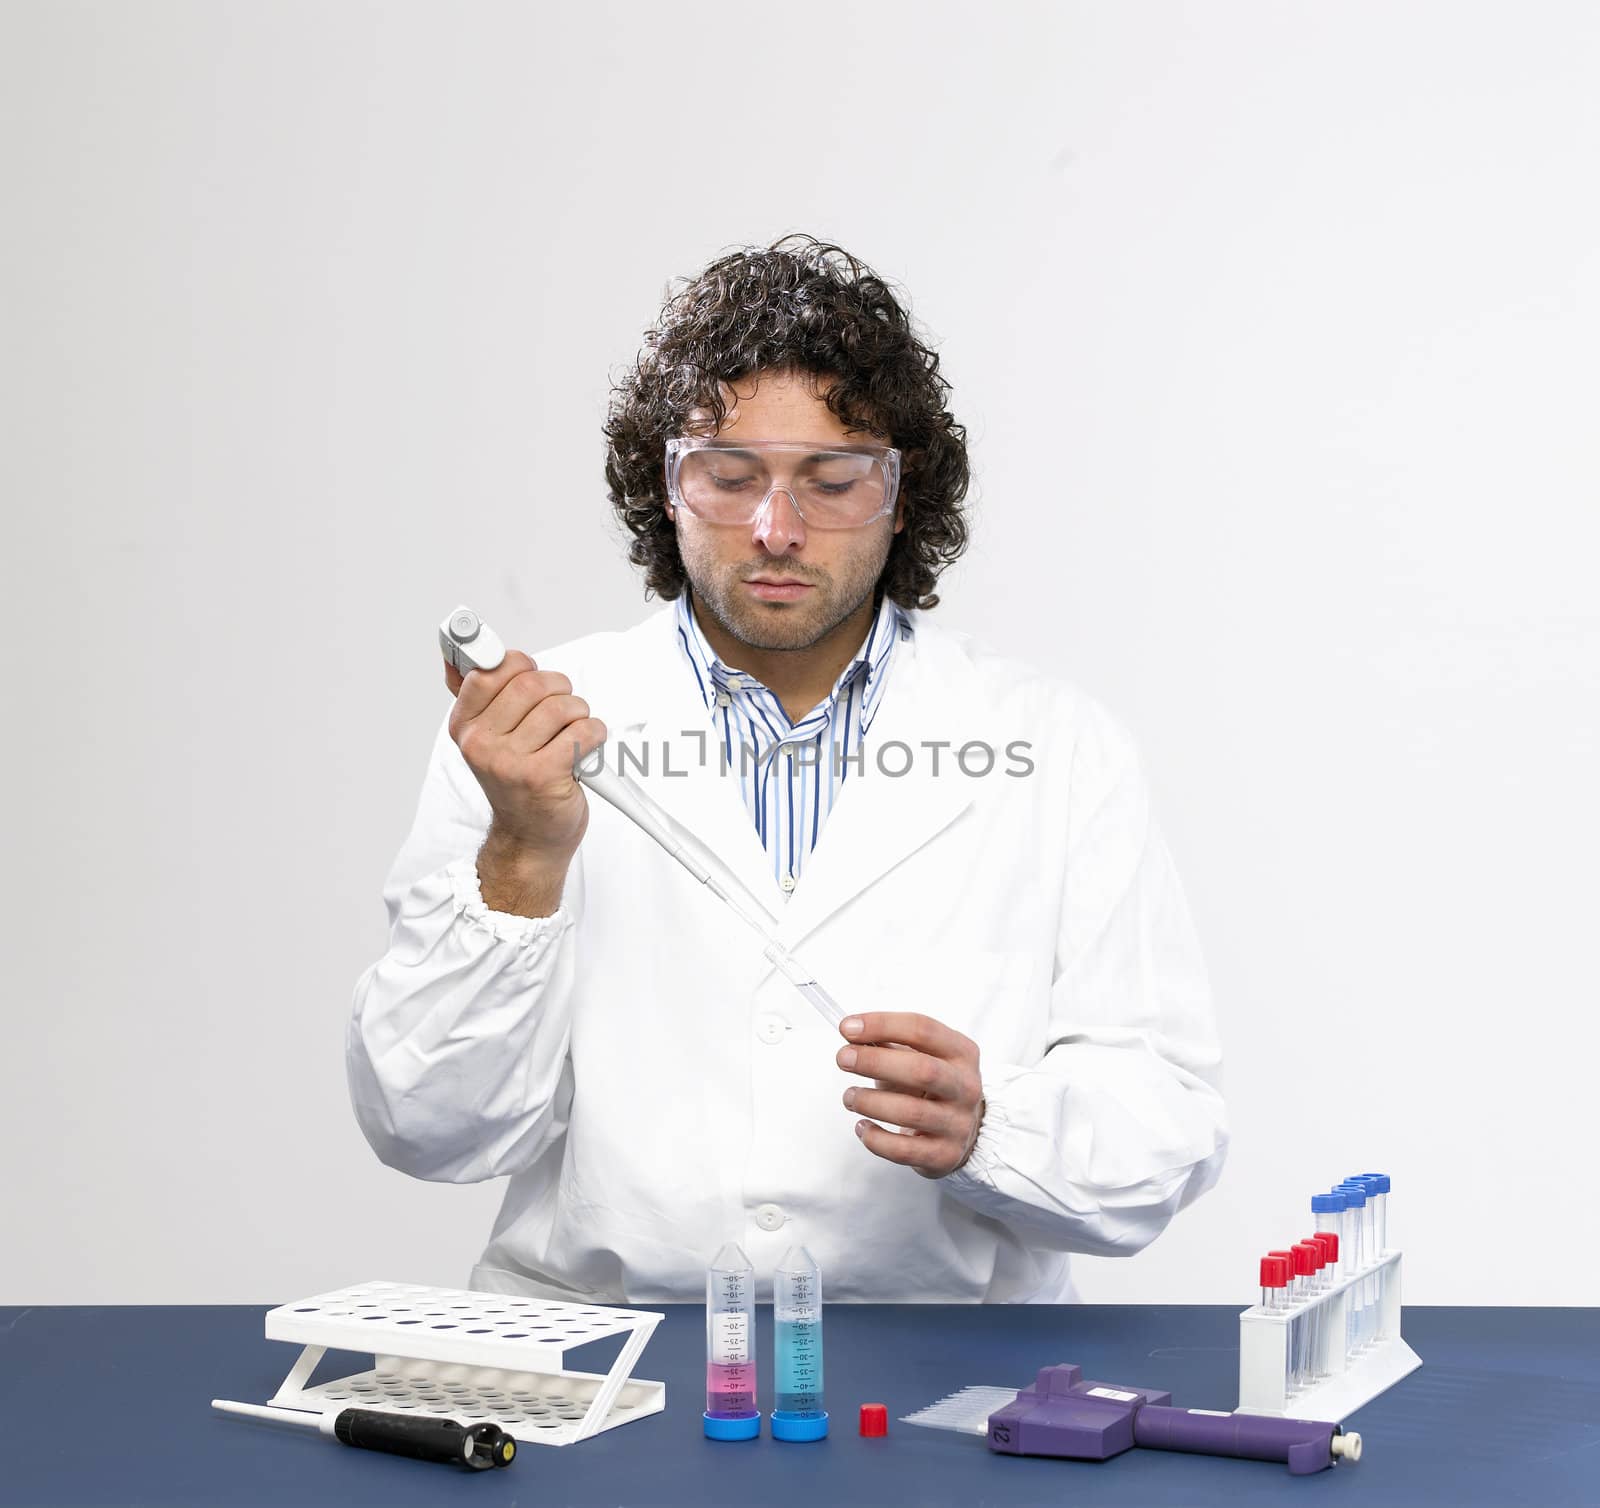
x,y
832,489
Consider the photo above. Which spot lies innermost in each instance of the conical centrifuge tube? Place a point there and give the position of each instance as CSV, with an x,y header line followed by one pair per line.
x,y
797,1412
731,1412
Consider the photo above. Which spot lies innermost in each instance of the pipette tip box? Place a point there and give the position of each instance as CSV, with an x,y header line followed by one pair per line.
x,y
455,1353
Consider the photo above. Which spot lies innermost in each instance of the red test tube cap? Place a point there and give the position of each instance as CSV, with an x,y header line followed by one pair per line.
x,y
1274,1272
874,1419
1304,1262
1329,1244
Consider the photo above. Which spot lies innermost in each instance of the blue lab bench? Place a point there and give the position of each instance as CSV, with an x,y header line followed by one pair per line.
x,y
112,1406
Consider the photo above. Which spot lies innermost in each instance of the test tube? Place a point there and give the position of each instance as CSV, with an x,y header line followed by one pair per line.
x,y
1378,1185
1274,1282
731,1412
1355,1198
1293,1294
1325,1212
1308,1257
1370,1248
1381,1184
1327,1249
797,1350
1274,1299
1329,1243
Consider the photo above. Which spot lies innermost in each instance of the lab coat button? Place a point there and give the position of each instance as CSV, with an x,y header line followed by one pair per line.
x,y
787,882
770,1217
772,1028
723,699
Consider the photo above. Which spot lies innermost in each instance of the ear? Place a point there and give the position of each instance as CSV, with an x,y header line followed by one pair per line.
x,y
899,514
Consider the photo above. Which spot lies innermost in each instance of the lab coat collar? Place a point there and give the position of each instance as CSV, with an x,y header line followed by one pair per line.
x,y
879,818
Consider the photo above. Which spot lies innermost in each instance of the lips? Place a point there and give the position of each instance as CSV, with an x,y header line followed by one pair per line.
x,y
784,589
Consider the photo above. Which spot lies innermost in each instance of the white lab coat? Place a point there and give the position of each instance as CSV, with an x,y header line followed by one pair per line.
x,y
653,1088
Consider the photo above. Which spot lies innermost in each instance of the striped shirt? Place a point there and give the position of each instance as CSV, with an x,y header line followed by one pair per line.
x,y
790,773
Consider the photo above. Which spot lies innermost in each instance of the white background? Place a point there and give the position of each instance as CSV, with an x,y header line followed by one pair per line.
x,y
1276,329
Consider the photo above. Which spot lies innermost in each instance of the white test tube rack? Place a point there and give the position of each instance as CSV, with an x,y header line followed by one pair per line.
x,y
1345,1382
454,1353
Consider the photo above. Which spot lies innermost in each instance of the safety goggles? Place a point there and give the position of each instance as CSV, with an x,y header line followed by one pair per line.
x,y
727,482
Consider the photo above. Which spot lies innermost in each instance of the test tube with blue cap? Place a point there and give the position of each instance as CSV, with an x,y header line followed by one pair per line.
x,y
1380,1184
731,1412
1367,1183
1325,1212
797,1412
1355,1198
1377,1186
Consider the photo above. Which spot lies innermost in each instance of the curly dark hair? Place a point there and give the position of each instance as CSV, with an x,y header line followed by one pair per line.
x,y
800,306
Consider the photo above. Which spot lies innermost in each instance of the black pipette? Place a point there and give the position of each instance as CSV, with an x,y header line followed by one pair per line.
x,y
476,1446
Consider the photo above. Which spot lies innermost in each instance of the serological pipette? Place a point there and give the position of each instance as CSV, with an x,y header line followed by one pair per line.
x,y
468,643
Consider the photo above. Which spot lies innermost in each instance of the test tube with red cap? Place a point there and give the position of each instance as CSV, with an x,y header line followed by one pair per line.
x,y
1329,1242
1274,1284
1325,1246
1308,1262
1293,1295
1275,1274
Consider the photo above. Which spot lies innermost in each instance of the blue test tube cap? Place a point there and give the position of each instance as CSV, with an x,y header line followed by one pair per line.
x,y
1355,1195
1380,1182
1327,1204
787,1426
740,1427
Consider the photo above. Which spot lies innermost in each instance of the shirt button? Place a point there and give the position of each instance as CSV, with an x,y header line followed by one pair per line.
x,y
770,1217
771,1028
787,882
723,699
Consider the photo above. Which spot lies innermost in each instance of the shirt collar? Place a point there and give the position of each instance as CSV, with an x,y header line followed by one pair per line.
x,y
889,624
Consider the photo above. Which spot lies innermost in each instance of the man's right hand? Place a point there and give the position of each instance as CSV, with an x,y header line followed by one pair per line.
x,y
520,730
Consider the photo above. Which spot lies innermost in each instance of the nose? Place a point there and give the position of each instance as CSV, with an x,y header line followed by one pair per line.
x,y
778,527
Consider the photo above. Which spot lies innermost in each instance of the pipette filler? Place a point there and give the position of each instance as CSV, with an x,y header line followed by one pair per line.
x,y
476,1446
1062,1413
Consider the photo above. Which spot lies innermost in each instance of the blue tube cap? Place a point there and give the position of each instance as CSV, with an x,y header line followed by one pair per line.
x,y
740,1427
799,1426
1355,1195
1327,1204
1379,1181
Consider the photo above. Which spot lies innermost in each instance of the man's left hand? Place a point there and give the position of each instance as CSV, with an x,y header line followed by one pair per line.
x,y
927,1081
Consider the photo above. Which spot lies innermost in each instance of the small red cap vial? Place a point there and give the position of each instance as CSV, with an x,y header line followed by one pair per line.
x,y
874,1419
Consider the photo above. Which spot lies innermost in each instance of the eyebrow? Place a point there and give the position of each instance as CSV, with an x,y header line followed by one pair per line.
x,y
733,450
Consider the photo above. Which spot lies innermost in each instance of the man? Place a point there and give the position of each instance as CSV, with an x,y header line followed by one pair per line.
x,y
959,847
